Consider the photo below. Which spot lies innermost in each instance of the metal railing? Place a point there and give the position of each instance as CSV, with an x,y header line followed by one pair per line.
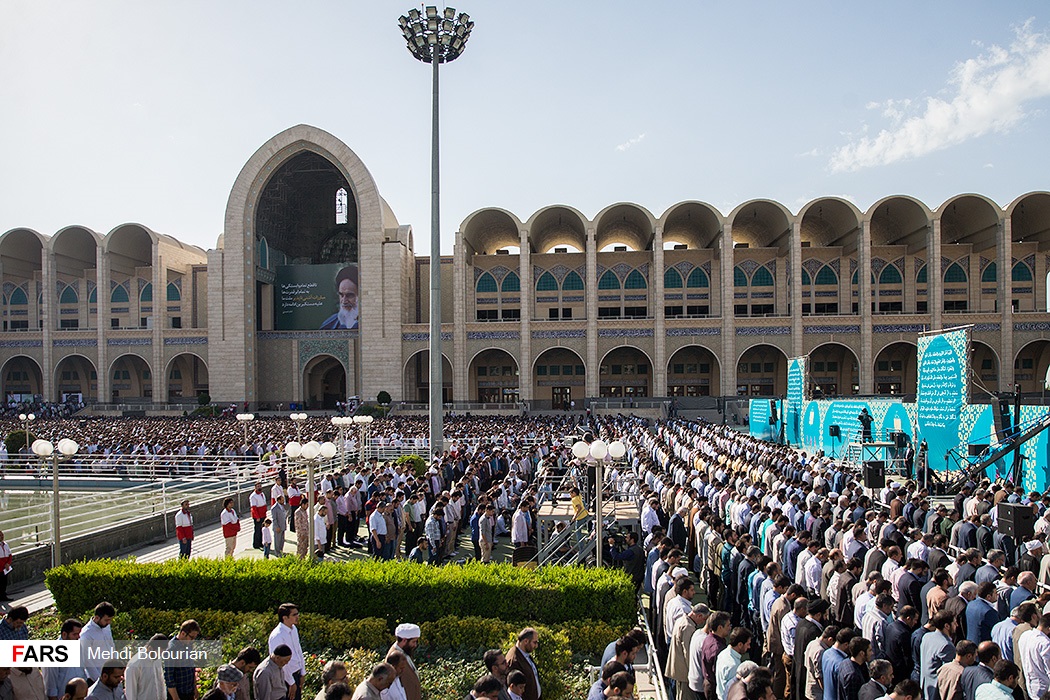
x,y
133,466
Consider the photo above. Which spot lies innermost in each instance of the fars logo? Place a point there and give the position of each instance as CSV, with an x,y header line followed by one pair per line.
x,y
39,654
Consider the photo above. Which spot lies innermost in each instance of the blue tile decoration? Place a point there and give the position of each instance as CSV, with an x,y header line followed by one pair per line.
x,y
306,335
983,262
705,295
740,295
684,268
625,333
608,297
546,300
706,267
672,297
806,295
761,295
575,333
897,292
415,337
876,265
186,340
987,327
1031,327
825,293
567,300
309,349
899,328
493,335
812,266
686,332
852,267
634,297
75,343
835,265
68,312
129,341
478,300
118,310
511,300
824,330
21,344
622,269
759,330
956,292
174,309
1022,290
749,266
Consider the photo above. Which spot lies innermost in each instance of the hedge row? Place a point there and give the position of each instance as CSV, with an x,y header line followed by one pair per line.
x,y
393,591
361,642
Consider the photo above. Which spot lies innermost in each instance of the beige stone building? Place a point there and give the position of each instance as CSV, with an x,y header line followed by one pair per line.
x,y
550,308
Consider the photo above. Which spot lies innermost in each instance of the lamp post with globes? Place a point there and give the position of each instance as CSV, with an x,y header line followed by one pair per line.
x,y
26,419
342,422
312,454
435,37
245,419
363,422
298,419
595,453
46,451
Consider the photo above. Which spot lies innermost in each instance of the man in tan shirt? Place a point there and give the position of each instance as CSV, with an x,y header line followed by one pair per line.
x,y
949,676
938,595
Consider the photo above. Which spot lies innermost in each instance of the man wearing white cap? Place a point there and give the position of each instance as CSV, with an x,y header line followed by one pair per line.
x,y
407,635
1032,557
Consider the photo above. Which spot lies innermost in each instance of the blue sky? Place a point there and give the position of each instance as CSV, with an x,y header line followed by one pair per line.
x,y
119,110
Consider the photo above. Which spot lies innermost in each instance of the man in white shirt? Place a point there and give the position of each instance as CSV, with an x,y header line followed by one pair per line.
x,y
1034,648
98,634
287,633
377,529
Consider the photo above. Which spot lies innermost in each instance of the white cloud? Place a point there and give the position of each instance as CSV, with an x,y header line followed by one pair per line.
x,y
986,93
630,142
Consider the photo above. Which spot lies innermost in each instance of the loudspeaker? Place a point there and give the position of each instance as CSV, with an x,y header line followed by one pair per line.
x,y
1002,417
772,411
1017,521
833,431
772,420
900,440
875,474
977,450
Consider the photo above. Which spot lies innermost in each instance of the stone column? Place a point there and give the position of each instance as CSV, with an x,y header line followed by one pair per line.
x,y
462,276
591,283
49,314
1004,299
795,289
656,301
934,274
525,326
160,380
102,322
866,371
728,358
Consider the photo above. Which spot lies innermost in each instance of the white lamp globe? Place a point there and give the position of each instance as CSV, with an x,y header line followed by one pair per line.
x,y
68,447
328,450
42,448
617,449
311,450
599,449
580,450
293,449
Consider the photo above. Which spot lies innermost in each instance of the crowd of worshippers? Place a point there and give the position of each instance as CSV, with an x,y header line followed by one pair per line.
x,y
192,438
274,673
832,592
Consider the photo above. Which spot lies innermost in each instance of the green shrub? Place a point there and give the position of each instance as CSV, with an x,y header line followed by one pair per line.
x,y
15,441
418,464
394,591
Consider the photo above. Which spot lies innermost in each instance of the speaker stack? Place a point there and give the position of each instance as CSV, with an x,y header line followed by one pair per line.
x,y
1017,521
875,474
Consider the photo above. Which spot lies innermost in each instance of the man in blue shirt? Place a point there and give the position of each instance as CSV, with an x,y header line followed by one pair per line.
x,y
982,614
832,658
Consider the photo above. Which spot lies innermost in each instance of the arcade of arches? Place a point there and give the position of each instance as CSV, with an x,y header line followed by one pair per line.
x,y
493,377
693,371
417,378
558,378
324,383
625,373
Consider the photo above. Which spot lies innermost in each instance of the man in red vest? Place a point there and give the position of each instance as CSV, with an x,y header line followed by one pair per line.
x,y
5,567
294,498
257,501
184,530
231,525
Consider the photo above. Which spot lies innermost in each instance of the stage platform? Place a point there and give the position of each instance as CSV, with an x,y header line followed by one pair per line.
x,y
626,514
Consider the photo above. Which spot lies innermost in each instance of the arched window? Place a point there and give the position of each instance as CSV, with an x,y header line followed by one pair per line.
x,y
547,283
827,276
173,292
990,273
486,284
672,280
19,298
264,254
806,281
890,275
1022,273
68,296
119,295
762,278
573,282
954,274
634,281
739,277
93,296
697,279
609,281
920,276
146,295
511,283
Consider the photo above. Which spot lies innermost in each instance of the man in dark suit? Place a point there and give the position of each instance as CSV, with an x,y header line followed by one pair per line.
x,y
909,585
847,579
806,631
938,557
988,654
519,658
898,643
881,681
852,673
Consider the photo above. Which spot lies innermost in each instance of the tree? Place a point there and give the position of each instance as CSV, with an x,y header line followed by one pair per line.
x,y
383,398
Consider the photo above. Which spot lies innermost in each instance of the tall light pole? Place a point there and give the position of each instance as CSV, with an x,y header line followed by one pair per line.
x,y
363,422
596,452
435,37
298,419
45,450
26,419
342,422
312,453
245,418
